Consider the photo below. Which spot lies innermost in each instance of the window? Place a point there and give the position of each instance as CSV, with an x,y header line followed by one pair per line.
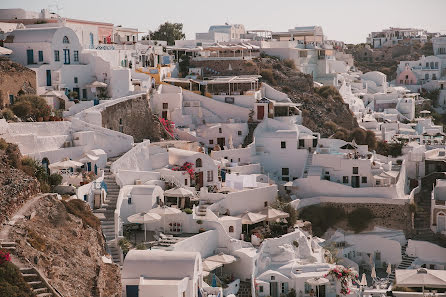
x,y
76,56
285,171
85,197
427,64
211,141
265,204
378,182
219,130
301,143
239,133
307,288
283,144
120,121
84,93
345,179
273,277
198,163
40,56
284,288
76,80
133,38
355,170
56,56
129,200
165,105
364,179
426,76
128,38
65,40
185,181
210,175
231,229
261,289
11,99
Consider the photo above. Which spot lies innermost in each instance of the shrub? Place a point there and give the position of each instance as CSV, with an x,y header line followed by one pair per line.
x,y
31,106
36,241
54,180
80,209
141,246
125,245
359,219
8,114
295,243
199,222
12,283
267,75
3,144
289,63
291,293
322,217
187,210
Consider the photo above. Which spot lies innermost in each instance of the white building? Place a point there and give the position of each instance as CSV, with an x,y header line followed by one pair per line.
x,y
438,207
219,33
393,36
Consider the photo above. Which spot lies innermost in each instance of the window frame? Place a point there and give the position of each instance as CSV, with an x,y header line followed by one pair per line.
x,y
283,144
56,56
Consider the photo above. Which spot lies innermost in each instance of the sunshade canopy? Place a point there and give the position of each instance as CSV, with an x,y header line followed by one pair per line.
x,y
249,218
421,278
143,217
222,258
178,192
273,214
65,164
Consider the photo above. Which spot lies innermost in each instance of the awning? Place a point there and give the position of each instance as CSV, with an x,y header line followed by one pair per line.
x,y
222,258
421,278
97,84
209,265
65,164
249,218
5,51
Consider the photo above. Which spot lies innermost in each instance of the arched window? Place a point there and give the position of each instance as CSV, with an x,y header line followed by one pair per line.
x,y
198,163
231,229
65,39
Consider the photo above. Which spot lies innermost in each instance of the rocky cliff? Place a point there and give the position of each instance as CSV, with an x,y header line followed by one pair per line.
x,y
63,240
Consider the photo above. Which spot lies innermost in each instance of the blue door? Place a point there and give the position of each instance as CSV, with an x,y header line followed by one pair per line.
x,y
48,78
91,40
66,56
132,291
89,166
11,99
30,56
95,169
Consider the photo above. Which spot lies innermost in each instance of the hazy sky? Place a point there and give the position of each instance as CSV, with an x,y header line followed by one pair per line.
x,y
346,20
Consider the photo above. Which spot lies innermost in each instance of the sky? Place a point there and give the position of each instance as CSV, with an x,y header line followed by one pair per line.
x,y
345,20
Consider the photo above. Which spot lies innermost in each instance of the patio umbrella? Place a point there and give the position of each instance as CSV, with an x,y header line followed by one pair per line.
x,y
249,218
363,280
209,265
317,281
143,218
164,211
373,274
420,278
5,51
389,269
222,258
178,192
273,214
65,164
97,84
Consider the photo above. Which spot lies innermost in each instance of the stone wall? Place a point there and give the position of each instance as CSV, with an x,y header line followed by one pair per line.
x,y
238,67
15,80
385,215
132,117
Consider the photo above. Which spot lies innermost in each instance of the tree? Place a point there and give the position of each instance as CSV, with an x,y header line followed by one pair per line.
x,y
184,64
358,135
31,106
168,32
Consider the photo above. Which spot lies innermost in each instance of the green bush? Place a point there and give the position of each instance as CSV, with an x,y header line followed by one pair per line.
x,y
322,217
3,144
125,245
267,75
55,179
359,219
8,114
12,283
141,246
31,106
187,210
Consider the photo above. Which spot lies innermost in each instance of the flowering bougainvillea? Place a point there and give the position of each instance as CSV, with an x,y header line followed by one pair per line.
x,y
343,275
168,125
186,167
4,257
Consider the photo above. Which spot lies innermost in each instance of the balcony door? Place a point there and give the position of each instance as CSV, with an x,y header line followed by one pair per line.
x,y
66,56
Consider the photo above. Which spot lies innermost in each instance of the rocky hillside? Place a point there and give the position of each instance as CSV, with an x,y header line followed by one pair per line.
x,y
64,241
16,187
386,60
319,107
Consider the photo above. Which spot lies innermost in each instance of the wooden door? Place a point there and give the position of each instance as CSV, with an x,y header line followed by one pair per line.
x,y
260,112
199,179
164,114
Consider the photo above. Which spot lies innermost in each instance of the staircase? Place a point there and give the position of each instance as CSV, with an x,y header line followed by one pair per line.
x,y
308,164
106,212
201,210
405,263
37,284
245,289
32,277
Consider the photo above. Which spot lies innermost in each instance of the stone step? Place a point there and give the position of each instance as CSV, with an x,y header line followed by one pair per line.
x,y
41,290
44,295
29,275
7,243
35,283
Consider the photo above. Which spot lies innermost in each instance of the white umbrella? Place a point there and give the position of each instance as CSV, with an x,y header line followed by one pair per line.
x,y
164,211
420,278
97,84
143,218
178,192
209,265
249,218
317,281
65,164
5,51
373,274
363,280
273,214
389,269
222,258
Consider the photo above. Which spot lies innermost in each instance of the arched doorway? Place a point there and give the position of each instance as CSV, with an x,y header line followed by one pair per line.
x,y
46,164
